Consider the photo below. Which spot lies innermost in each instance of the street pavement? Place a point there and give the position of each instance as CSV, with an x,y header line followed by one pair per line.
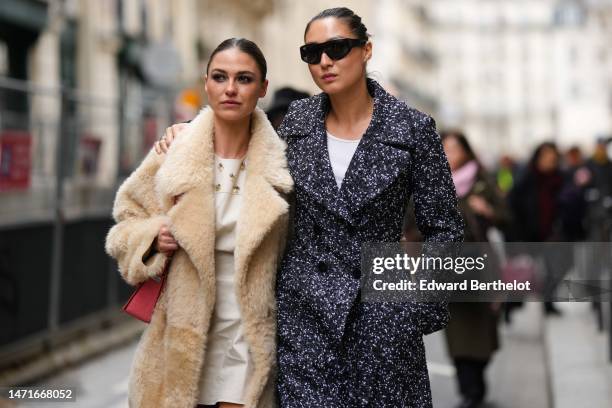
x,y
99,383
579,359
518,377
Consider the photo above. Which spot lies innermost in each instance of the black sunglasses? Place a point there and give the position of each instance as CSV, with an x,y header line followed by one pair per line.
x,y
334,49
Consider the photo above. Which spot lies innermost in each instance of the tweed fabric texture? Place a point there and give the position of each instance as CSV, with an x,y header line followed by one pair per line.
x,y
333,350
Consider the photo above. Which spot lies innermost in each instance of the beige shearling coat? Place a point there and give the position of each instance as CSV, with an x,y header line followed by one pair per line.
x,y
177,189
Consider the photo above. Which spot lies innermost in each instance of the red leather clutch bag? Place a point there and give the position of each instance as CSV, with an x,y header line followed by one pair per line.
x,y
142,302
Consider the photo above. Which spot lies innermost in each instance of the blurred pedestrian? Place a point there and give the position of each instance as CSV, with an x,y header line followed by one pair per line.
x,y
280,104
212,336
572,199
600,167
506,173
573,158
535,201
472,335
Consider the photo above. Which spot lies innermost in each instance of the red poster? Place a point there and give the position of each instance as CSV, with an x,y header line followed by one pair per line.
x,y
89,153
15,160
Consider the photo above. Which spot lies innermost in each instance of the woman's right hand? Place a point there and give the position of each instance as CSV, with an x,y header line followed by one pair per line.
x,y
165,242
163,144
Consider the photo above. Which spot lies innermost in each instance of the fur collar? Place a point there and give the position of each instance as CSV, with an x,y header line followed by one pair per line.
x,y
189,162
184,185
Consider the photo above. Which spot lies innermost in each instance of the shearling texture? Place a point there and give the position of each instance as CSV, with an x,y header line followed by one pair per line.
x,y
177,189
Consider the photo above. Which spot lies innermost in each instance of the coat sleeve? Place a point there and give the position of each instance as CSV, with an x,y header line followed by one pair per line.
x,y
138,219
435,207
284,130
435,199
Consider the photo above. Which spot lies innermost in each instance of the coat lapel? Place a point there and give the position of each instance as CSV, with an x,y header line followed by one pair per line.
x,y
309,158
185,189
267,177
379,159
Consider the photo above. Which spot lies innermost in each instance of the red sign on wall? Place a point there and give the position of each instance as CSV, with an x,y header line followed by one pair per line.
x,y
15,160
89,154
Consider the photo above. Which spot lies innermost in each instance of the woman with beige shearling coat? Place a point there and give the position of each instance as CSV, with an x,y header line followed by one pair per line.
x,y
177,192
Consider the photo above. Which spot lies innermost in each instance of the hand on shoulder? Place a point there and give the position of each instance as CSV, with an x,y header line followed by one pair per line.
x,y
172,132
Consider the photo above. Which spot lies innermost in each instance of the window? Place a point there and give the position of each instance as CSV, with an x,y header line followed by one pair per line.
x,y
569,13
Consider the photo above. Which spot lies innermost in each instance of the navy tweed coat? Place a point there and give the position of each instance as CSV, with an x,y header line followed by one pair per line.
x,y
333,350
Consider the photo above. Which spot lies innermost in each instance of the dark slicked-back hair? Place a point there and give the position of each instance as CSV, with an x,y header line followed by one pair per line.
x,y
348,16
246,46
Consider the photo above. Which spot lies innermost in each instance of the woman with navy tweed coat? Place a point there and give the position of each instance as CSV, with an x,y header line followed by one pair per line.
x,y
333,350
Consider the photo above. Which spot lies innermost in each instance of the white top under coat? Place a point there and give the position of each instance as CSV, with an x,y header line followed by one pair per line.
x,y
341,152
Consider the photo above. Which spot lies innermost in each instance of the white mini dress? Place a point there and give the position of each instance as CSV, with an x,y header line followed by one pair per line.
x,y
227,363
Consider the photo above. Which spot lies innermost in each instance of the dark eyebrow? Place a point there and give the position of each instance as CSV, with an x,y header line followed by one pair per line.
x,y
238,73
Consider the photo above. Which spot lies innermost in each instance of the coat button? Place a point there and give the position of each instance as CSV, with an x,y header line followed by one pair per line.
x,y
322,266
316,230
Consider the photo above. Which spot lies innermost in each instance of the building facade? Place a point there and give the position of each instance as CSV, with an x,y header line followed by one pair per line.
x,y
511,73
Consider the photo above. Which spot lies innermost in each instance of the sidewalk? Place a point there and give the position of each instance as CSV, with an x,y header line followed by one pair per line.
x,y
101,382
516,376
579,365
558,362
